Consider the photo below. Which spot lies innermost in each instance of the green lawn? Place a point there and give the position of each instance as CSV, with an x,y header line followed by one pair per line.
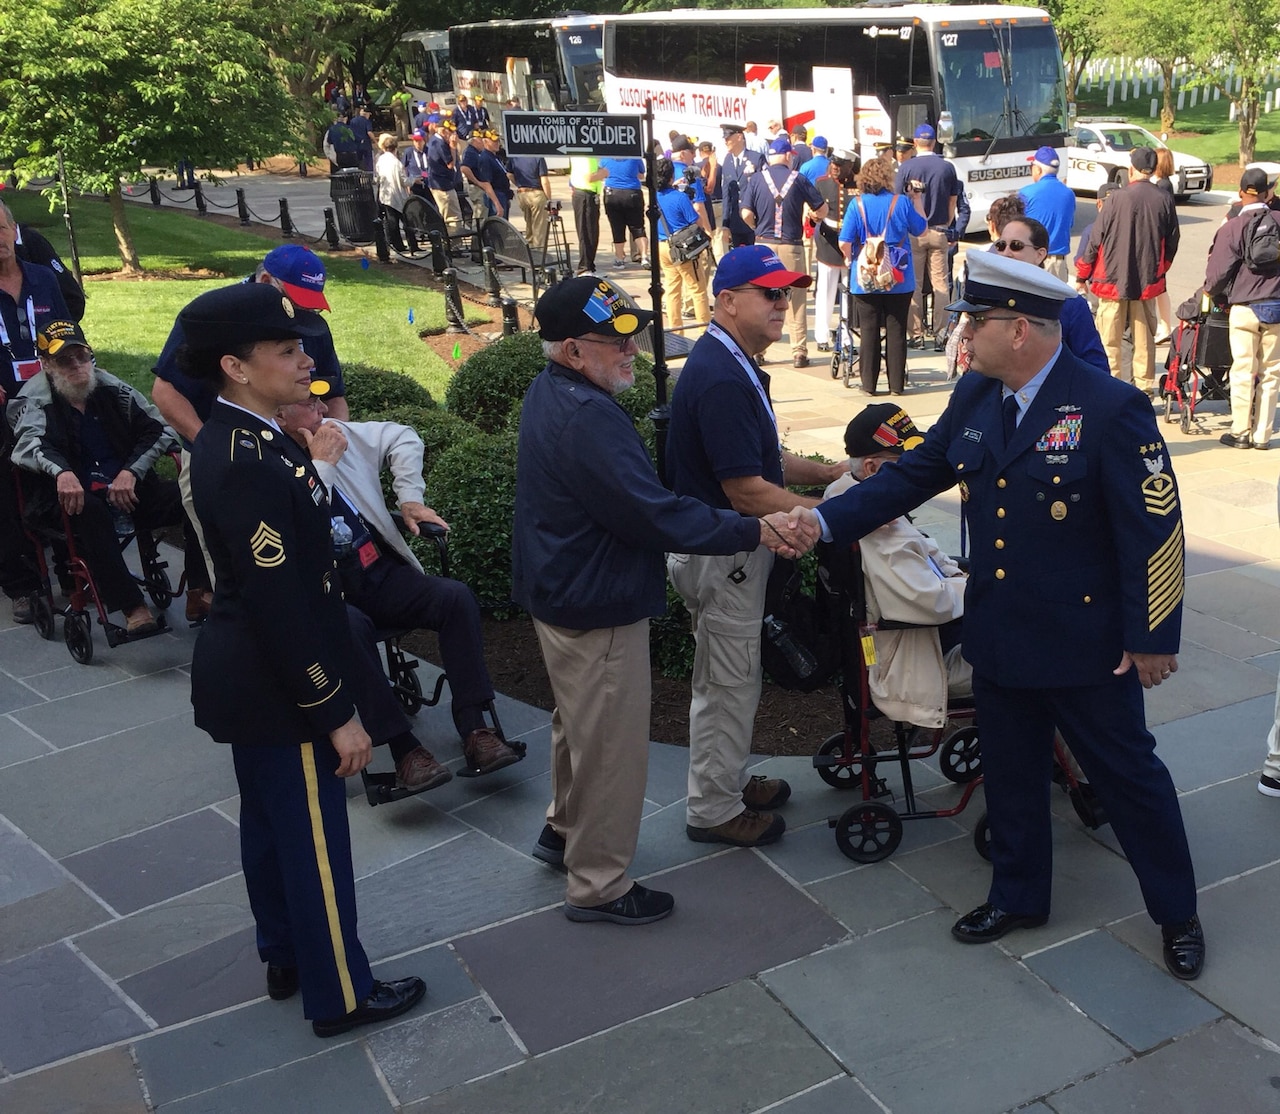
x,y
127,321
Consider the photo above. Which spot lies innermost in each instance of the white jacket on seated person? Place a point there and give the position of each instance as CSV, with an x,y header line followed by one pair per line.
x,y
908,579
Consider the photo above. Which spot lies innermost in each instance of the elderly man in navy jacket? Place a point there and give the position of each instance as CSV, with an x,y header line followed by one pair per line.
x,y
1074,598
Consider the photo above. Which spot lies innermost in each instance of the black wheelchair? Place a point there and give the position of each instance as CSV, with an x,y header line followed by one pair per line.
x,y
402,674
77,583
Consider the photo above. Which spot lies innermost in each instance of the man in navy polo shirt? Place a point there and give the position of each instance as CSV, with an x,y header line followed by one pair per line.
x,y
441,173
1051,202
929,174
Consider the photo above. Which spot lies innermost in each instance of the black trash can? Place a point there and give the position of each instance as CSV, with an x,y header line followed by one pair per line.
x,y
355,204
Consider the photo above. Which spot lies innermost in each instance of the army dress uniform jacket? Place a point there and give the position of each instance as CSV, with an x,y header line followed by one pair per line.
x,y
269,664
1076,541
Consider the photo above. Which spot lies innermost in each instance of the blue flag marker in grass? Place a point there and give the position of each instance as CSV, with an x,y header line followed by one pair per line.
x,y
364,263
457,349
411,315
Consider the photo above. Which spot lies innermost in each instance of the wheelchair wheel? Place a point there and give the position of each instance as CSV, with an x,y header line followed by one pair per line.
x,y
869,832
835,366
42,616
1184,421
159,588
852,369
960,759
409,691
839,777
982,837
77,632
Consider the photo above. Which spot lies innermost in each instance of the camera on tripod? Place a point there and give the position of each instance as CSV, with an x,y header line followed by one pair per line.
x,y
553,207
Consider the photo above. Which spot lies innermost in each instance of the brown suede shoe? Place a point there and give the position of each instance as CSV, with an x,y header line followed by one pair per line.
x,y
139,620
485,751
765,793
748,829
417,771
198,604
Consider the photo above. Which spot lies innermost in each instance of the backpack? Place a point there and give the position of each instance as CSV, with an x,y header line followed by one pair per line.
x,y
876,269
1262,244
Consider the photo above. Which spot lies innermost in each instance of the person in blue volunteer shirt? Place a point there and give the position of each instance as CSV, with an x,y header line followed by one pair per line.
x,y
624,205
679,278
877,212
441,172
816,165
934,179
1051,202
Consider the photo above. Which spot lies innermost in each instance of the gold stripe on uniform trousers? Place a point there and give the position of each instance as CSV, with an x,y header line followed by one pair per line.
x,y
1165,579
326,877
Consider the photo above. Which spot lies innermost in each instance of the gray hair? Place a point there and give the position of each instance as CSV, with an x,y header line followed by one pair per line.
x,y
551,349
8,213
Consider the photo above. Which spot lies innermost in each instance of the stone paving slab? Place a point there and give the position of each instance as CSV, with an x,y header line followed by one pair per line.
x,y
389,834
770,920
24,870
58,799
1221,1067
223,973
1233,597
75,678
242,1043
1121,991
1206,680
1239,920
167,931
161,862
873,897
336,1079
17,744
920,988
1223,743
14,695
677,1061
47,917
111,709
1216,847
104,1083
842,1095
52,1005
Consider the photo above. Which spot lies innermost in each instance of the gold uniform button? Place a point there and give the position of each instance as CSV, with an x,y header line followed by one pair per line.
x,y
1002,482
1088,599
999,543
1057,479
960,467
999,574
266,435
999,512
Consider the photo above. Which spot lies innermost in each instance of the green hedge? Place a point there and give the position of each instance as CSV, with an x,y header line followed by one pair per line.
x,y
485,386
370,390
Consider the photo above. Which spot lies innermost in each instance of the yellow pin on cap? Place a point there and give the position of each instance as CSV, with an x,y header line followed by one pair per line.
x,y
320,388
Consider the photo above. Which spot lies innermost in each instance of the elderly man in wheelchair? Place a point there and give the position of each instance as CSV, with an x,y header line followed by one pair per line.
x,y
92,442
387,591
909,580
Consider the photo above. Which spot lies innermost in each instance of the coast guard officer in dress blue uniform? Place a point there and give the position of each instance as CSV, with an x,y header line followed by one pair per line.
x,y
1074,599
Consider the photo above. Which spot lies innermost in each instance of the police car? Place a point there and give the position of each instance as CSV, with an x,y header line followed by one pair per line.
x,y
1101,154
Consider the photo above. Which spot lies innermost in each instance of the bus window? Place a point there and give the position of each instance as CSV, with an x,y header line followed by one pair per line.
x,y
921,65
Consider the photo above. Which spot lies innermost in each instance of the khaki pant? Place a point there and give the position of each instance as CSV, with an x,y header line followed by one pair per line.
x,y
1255,374
1056,265
601,681
188,505
929,256
792,256
533,204
680,281
447,202
1140,317
1271,767
726,675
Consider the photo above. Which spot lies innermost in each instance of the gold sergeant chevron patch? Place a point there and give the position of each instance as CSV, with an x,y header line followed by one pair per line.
x,y
267,547
1165,579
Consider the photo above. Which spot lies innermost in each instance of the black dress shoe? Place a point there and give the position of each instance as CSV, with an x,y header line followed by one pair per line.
x,y
1184,949
282,982
987,923
385,1001
1244,441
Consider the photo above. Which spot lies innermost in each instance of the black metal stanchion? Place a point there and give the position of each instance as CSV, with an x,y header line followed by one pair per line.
x,y
242,207
380,240
438,259
66,216
660,415
286,224
153,188
510,317
201,207
453,303
330,230
491,278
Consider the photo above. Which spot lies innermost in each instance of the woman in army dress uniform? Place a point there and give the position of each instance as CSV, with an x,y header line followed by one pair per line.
x,y
268,669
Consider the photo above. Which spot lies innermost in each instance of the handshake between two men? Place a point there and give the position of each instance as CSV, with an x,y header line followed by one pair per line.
x,y
791,533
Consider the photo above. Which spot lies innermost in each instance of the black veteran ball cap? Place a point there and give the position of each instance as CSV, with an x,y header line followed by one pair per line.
x,y
233,316
881,427
578,306
993,280
56,335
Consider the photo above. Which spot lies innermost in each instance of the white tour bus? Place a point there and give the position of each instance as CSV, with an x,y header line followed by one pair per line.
x,y
422,62
547,65
988,77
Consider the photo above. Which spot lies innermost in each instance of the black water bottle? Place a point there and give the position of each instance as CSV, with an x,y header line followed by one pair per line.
x,y
798,657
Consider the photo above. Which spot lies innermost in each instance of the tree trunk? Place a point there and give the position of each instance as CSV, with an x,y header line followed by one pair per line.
x,y
1247,120
130,263
1166,110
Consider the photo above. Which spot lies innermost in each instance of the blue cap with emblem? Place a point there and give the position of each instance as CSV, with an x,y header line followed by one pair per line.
x,y
993,280
228,318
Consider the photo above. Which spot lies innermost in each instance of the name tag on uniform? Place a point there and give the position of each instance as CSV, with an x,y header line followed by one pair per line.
x,y
23,370
972,434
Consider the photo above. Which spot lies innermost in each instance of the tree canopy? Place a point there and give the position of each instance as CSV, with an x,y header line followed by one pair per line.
x,y
117,85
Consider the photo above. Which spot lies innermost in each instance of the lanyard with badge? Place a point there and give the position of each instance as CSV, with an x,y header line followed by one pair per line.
x,y
23,370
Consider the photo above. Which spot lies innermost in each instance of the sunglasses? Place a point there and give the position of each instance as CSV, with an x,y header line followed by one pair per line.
x,y
1011,245
977,320
74,358
772,293
620,343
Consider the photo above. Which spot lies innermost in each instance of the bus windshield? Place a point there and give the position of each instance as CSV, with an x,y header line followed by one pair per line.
x,y
583,52
972,64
